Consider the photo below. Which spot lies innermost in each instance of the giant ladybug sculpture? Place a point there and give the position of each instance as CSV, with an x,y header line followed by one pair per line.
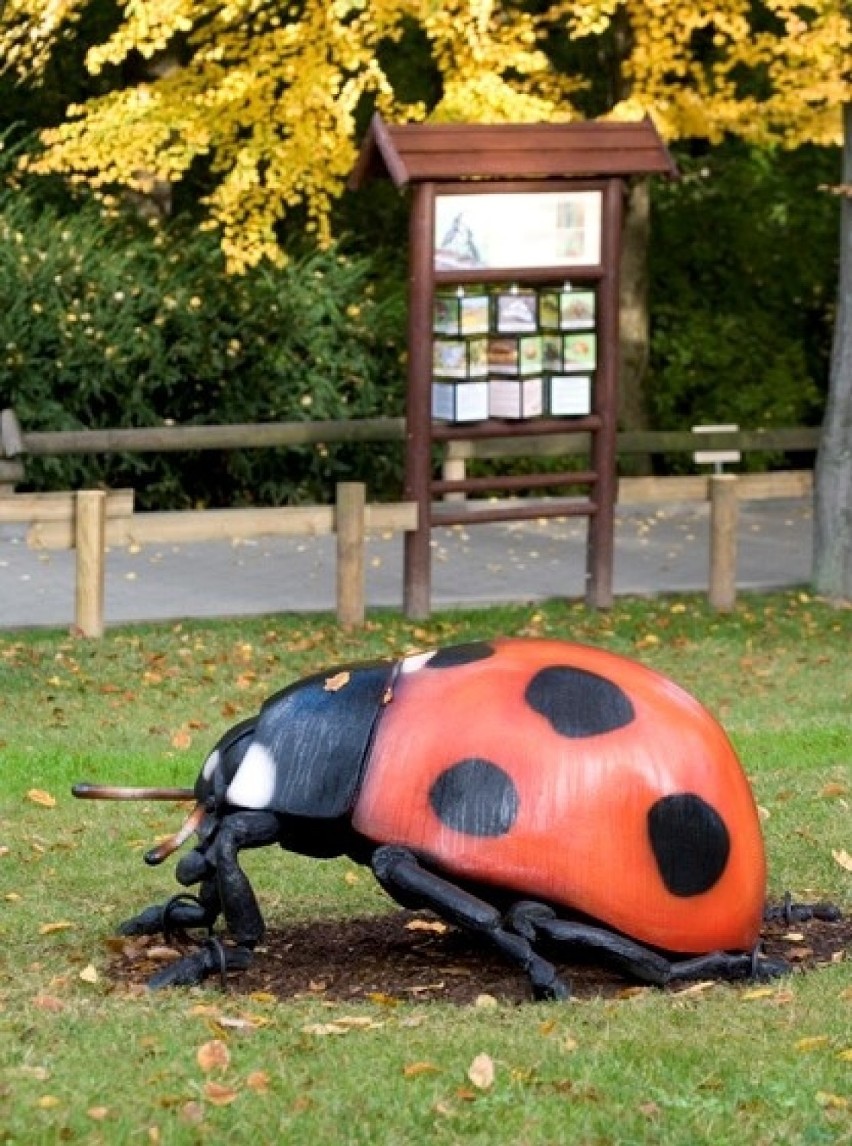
x,y
534,792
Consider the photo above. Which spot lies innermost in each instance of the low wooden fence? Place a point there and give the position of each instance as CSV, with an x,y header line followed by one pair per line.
x,y
90,521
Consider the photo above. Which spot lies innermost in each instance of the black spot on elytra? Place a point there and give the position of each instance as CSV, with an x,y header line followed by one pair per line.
x,y
690,841
457,655
475,797
577,702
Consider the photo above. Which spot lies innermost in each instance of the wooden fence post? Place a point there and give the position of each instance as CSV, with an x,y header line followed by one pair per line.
x,y
90,543
453,468
724,514
11,467
349,525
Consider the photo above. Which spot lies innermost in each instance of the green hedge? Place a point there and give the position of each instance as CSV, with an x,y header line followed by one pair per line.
x,y
744,271
104,325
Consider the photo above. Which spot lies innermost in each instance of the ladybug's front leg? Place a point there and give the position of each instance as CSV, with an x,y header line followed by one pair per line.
x,y
536,921
180,913
404,878
237,830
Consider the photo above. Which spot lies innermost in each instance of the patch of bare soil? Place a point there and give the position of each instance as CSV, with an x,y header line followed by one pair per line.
x,y
412,956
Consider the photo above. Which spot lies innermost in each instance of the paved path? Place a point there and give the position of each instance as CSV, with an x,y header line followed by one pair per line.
x,y
657,550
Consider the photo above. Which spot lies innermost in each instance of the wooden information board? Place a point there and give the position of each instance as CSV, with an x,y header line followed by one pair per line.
x,y
529,215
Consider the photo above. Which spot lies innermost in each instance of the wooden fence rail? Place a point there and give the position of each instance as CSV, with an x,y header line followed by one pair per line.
x,y
16,443
169,439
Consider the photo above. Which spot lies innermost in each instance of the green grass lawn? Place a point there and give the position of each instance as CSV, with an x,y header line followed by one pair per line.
x,y
84,1061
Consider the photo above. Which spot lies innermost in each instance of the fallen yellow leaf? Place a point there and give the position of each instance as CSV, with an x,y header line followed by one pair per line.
x,y
811,1042
834,789
258,1081
843,858
648,641
323,1029
415,1069
832,1101
242,1022
161,954
89,974
213,1055
481,1071
485,1002
337,682
426,925
757,993
99,1113
631,992
42,798
263,997
51,928
47,1101
697,988
218,1095
382,1000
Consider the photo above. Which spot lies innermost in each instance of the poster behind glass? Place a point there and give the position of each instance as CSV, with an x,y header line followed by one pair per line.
x,y
517,229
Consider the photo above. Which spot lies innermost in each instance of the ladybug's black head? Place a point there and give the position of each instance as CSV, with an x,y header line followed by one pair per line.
x,y
221,765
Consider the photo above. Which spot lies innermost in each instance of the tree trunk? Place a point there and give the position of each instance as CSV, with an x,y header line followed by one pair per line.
x,y
832,568
634,316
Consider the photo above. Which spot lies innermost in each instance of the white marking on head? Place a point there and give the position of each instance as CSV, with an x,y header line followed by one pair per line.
x,y
211,764
253,786
416,662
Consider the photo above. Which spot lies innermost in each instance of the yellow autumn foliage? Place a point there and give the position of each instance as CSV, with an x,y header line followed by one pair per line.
x,y
268,93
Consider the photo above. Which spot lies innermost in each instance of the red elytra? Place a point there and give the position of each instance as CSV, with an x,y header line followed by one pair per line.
x,y
637,814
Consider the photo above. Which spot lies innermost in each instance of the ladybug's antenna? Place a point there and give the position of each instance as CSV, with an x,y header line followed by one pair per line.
x,y
110,792
166,847
163,850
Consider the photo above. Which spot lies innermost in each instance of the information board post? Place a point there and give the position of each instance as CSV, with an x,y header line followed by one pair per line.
x,y
601,537
417,578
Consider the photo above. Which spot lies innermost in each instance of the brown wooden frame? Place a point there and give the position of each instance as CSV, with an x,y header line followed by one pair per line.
x,y
481,159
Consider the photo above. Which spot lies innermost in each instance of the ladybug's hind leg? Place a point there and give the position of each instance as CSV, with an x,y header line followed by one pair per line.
x,y
538,922
789,912
404,878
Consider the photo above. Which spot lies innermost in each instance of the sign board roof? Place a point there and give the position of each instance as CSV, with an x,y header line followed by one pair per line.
x,y
443,152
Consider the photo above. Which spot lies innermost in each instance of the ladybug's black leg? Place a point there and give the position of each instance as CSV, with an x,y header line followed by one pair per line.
x,y
228,885
181,913
404,878
633,958
789,912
